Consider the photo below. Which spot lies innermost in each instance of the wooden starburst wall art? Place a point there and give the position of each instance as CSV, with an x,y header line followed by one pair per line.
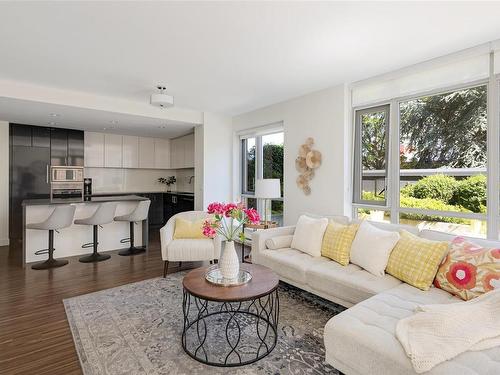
x,y
306,164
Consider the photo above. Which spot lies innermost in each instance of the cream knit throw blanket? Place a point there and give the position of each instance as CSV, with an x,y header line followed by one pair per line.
x,y
437,333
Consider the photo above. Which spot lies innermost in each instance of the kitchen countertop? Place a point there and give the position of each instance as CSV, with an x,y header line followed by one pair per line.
x,y
97,194
93,199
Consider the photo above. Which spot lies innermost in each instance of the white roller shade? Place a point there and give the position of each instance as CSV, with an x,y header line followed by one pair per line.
x,y
496,67
462,68
261,130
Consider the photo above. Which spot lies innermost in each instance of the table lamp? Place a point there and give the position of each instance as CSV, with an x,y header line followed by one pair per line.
x,y
268,188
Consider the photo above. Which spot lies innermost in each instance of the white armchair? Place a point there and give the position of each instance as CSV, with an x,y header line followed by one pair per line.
x,y
186,250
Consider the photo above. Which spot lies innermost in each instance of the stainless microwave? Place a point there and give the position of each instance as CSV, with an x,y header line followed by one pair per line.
x,y
66,174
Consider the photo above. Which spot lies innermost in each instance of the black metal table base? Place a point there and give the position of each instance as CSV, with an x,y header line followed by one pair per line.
x,y
250,329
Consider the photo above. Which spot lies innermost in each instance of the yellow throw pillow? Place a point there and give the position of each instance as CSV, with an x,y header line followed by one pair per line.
x,y
415,260
185,229
337,242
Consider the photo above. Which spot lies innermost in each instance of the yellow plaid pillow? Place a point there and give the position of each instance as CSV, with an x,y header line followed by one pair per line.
x,y
185,229
337,242
415,260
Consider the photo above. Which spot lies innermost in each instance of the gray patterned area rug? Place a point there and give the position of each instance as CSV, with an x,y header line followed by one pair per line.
x,y
136,329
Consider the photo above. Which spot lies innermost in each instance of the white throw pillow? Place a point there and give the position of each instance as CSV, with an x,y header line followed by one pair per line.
x,y
308,235
372,247
279,242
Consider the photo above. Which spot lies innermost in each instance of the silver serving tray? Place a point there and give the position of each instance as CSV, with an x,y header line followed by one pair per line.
x,y
213,276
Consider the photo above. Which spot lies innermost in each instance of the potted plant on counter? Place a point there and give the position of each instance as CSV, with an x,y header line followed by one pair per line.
x,y
227,221
167,181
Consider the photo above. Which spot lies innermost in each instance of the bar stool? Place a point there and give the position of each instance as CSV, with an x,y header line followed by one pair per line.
x,y
60,218
104,214
139,213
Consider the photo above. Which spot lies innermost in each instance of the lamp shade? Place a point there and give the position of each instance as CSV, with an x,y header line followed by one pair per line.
x,y
268,188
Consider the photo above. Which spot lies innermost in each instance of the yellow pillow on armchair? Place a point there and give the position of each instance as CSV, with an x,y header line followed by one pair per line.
x,y
186,229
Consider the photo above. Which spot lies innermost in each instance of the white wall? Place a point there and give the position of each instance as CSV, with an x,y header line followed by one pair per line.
x,y
217,158
320,115
198,168
4,183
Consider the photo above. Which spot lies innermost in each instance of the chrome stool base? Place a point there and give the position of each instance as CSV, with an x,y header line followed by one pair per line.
x,y
49,263
94,257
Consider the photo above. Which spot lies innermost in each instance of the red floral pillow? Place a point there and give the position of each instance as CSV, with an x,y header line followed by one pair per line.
x,y
469,270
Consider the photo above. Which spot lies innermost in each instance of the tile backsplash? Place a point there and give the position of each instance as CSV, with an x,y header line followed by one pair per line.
x,y
115,180
185,180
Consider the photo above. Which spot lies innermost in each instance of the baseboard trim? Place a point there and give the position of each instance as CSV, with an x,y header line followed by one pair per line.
x,y
4,242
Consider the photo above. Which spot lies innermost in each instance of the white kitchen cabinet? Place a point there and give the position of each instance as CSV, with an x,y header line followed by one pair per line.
x,y
182,152
146,152
113,150
130,152
175,150
125,151
189,151
162,153
94,149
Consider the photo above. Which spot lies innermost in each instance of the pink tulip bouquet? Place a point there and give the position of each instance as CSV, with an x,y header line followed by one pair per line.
x,y
228,219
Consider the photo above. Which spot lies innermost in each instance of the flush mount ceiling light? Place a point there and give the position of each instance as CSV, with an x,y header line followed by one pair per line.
x,y
54,114
161,99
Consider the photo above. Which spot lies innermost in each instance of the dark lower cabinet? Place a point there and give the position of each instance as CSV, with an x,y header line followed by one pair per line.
x,y
169,206
176,203
155,215
185,203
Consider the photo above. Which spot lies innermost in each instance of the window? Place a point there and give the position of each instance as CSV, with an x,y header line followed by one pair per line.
x,y
439,162
372,133
262,157
249,166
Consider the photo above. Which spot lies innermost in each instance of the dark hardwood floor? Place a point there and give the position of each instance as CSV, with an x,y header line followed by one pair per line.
x,y
34,334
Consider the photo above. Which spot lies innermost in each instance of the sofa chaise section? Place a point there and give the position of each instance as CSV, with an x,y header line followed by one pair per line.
x,y
367,331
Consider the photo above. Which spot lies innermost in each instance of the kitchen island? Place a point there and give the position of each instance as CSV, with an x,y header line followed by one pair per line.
x,y
164,204
68,242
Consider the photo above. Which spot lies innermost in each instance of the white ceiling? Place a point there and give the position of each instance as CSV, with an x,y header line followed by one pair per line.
x,y
60,116
228,57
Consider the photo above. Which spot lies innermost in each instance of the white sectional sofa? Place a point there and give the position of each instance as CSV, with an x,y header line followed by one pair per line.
x,y
362,340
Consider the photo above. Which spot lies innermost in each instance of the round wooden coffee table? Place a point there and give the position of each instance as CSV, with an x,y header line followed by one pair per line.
x,y
230,325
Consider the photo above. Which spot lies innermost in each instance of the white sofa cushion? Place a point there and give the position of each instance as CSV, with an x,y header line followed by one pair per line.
x,y
289,263
361,340
279,242
391,227
308,235
372,247
441,236
349,283
337,218
191,250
